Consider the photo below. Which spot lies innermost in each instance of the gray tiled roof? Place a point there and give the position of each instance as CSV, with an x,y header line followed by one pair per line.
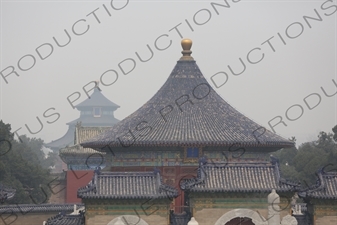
x,y
97,99
127,185
325,188
103,121
66,140
62,219
25,208
77,151
239,177
84,133
194,114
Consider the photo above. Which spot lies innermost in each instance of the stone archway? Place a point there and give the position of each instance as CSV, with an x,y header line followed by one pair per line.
x,y
242,213
128,219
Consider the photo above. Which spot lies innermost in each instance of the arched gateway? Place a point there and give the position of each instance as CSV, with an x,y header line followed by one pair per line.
x,y
240,221
241,216
127,219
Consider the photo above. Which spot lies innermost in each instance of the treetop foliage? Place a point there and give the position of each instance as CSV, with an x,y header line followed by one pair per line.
x,y
303,163
24,167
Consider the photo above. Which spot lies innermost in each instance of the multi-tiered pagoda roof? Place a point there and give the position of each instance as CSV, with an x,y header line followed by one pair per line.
x,y
96,100
187,111
95,111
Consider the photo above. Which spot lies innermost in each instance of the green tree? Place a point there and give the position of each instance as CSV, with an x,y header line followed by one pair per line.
x,y
20,168
50,160
334,130
325,141
302,164
39,156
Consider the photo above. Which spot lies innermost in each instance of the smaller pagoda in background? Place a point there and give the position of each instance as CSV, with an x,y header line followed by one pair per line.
x,y
96,115
96,111
81,162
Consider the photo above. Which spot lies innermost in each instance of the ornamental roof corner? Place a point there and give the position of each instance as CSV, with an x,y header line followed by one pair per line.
x,y
325,187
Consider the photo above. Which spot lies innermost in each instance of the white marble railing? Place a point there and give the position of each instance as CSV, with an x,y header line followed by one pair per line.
x,y
299,208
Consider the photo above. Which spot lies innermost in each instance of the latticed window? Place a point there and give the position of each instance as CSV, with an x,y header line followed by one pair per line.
x,y
97,112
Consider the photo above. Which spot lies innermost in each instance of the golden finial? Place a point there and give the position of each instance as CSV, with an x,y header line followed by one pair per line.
x,y
186,44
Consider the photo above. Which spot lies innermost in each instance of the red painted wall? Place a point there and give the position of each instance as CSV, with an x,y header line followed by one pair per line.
x,y
75,180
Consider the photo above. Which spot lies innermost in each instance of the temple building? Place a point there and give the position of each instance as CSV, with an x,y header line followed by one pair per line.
x,y
38,214
78,158
186,157
96,115
217,158
81,162
227,193
96,111
114,196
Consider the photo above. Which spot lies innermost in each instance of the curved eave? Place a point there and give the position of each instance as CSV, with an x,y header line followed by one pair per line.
x,y
90,121
47,207
317,195
323,197
325,187
125,197
89,193
99,146
267,190
78,151
66,140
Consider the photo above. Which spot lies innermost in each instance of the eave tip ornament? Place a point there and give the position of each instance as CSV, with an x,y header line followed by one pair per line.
x,y
186,44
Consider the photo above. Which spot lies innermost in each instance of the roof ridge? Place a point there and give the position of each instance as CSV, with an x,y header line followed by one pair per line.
x,y
38,208
130,185
267,171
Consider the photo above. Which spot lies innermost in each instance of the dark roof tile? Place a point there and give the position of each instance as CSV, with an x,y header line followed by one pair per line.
x,y
25,208
325,188
238,177
62,219
127,185
97,99
186,110
77,151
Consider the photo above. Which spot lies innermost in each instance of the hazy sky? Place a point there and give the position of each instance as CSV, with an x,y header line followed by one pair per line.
x,y
288,56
